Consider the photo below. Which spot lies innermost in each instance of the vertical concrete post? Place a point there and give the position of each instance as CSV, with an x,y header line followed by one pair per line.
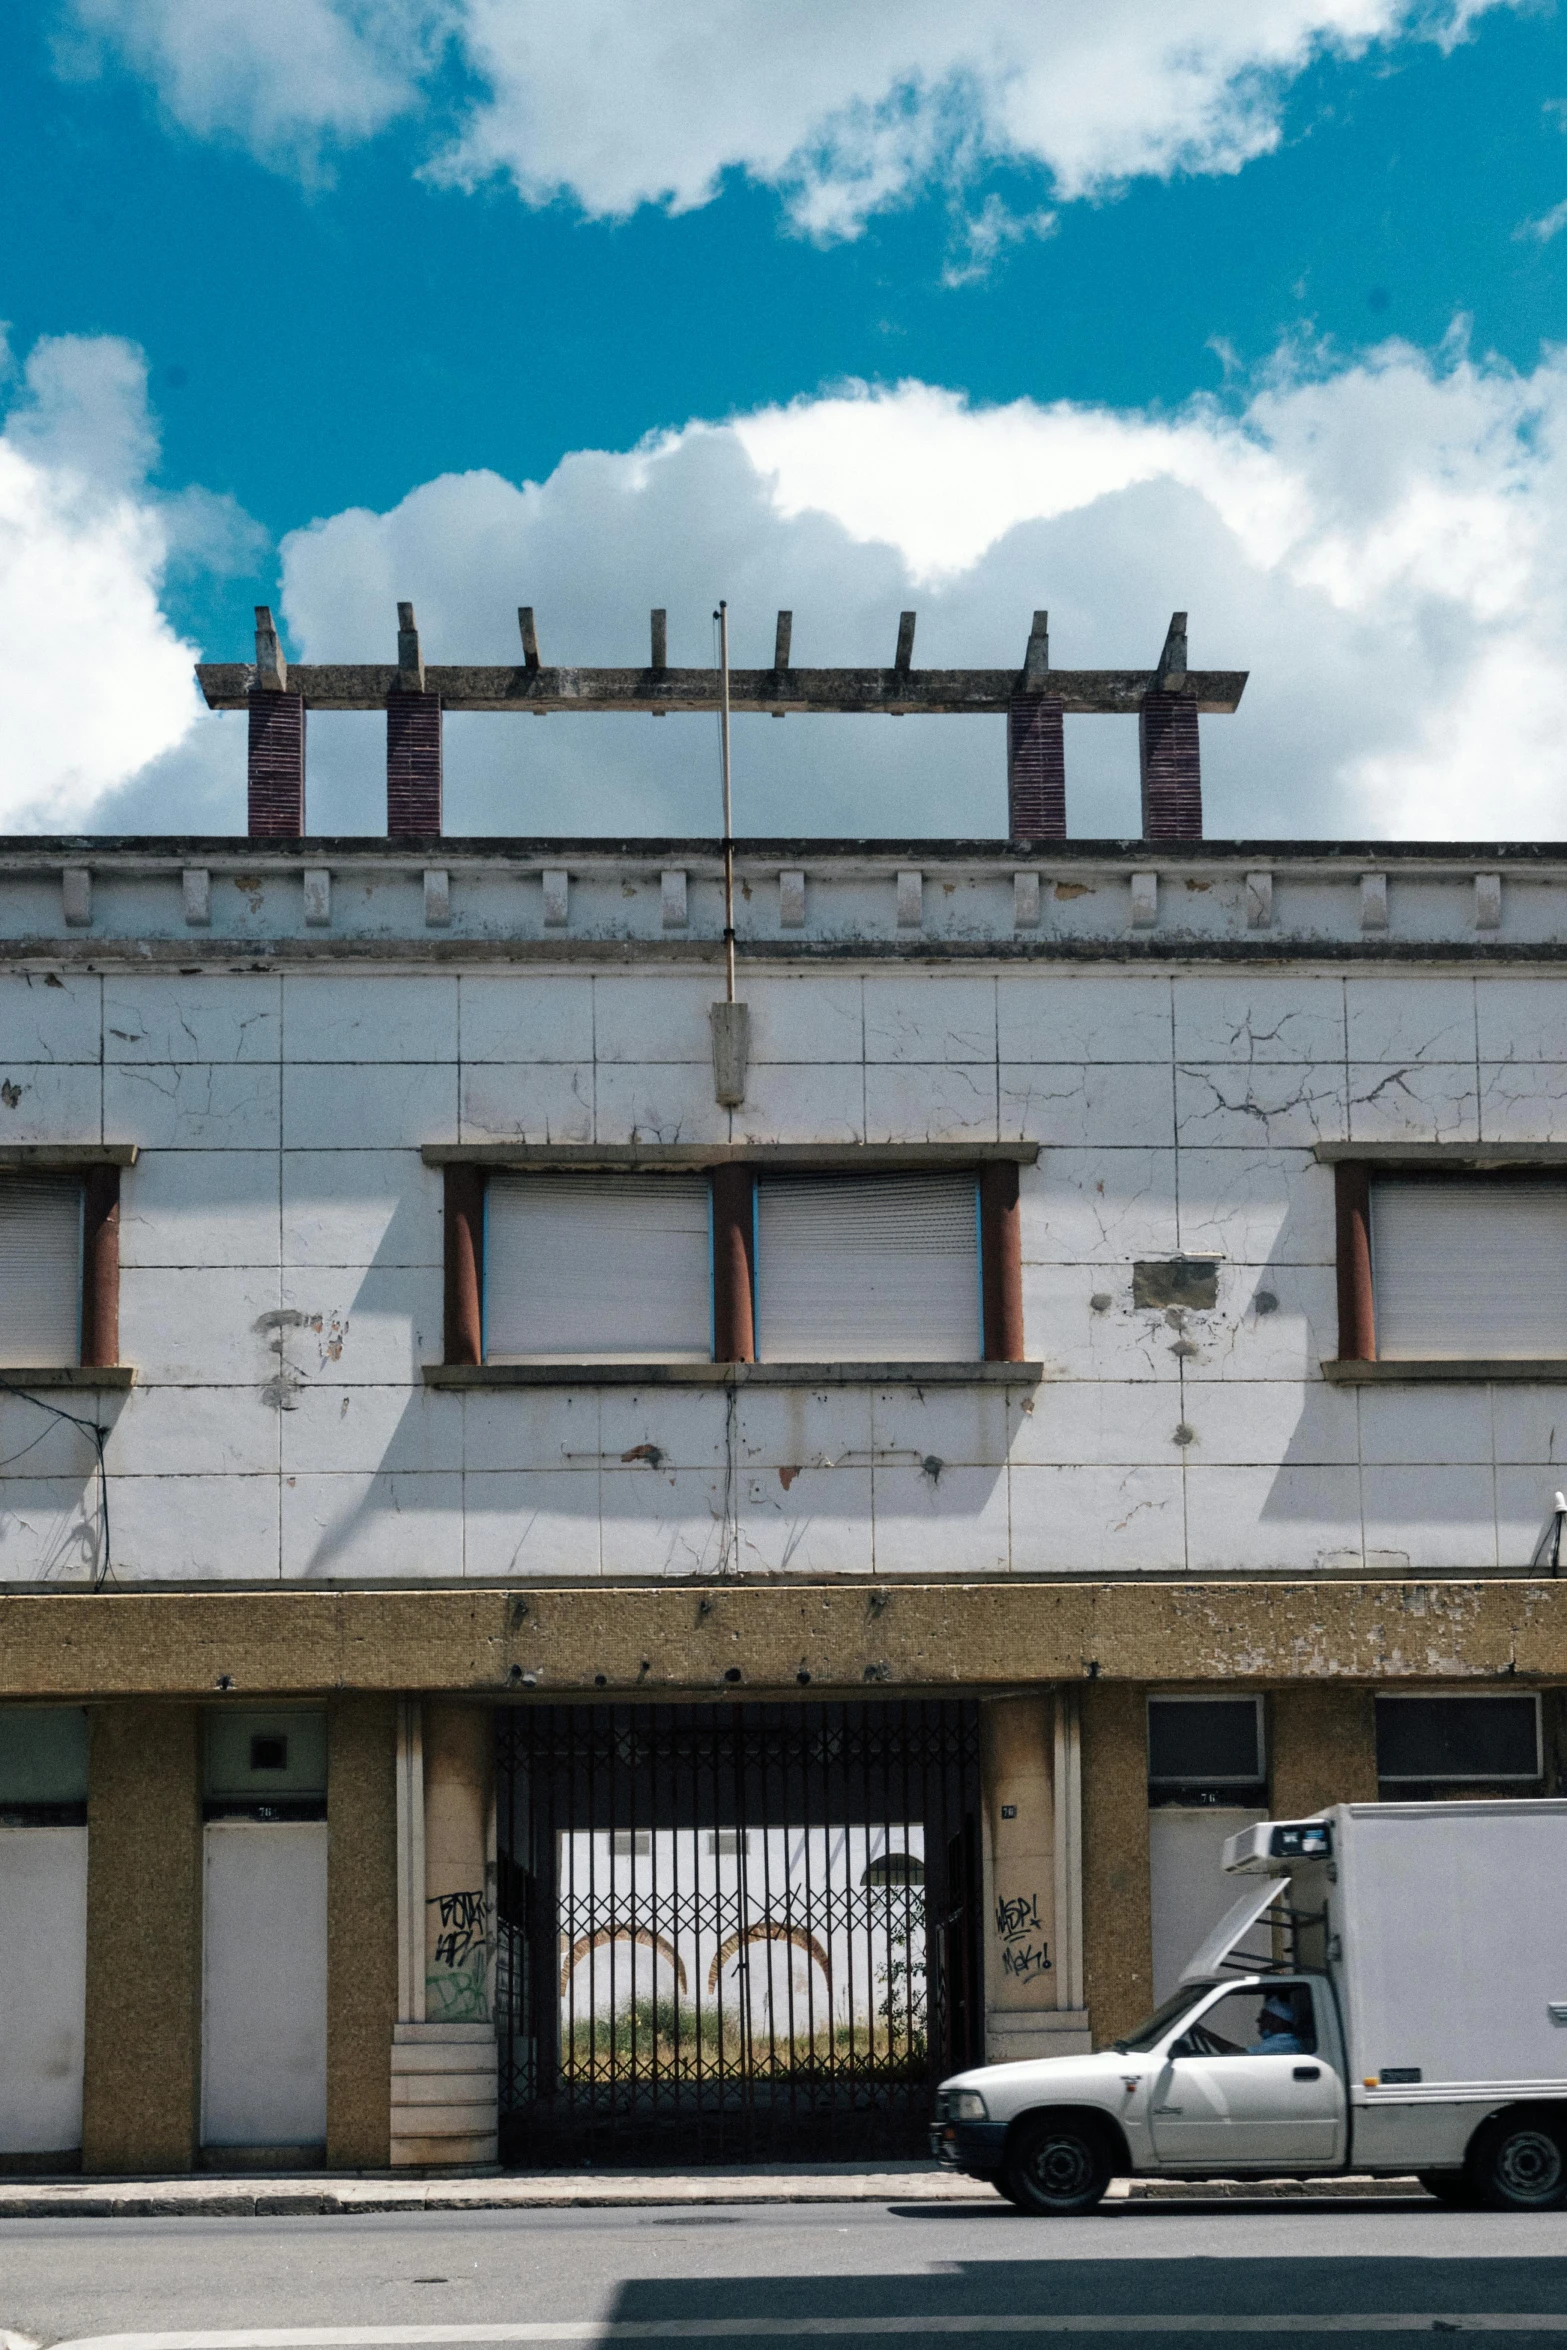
x,y
1117,1907
1029,1895
464,1243
101,1267
1357,1313
1001,1259
142,2076
1324,1747
444,2107
361,1895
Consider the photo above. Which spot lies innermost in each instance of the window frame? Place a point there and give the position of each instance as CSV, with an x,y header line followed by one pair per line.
x,y
1410,1779
1218,1790
96,1170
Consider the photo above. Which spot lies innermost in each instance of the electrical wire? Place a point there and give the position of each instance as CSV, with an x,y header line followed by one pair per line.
x,y
98,1437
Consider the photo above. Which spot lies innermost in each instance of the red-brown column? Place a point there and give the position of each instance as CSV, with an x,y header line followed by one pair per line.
x,y
734,1318
1171,760
464,1264
1357,1325
1036,768
276,765
413,764
1002,1262
101,1268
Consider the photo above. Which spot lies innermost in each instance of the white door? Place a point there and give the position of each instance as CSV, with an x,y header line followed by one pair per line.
x,y
1216,2102
263,2046
1188,1888
43,1988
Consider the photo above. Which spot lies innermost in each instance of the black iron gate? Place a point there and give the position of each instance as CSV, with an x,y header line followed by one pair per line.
x,y
733,1933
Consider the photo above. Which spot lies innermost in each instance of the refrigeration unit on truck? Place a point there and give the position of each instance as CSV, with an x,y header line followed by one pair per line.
x,y
1415,2020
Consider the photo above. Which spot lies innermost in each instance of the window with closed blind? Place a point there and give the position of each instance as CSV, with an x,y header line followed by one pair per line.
x,y
40,1272
597,1268
868,1269
1469,1267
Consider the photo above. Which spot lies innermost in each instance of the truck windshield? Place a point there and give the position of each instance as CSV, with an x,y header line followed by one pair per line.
x,y
1162,2018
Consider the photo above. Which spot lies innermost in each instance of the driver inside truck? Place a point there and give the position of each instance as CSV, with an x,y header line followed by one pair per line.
x,y
1279,2027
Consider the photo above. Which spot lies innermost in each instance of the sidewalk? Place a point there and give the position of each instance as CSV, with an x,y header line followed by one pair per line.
x,y
214,2196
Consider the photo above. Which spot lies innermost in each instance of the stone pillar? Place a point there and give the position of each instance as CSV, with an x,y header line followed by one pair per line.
x,y
1323,1737
142,2072
444,2102
1117,1908
362,1920
1033,1997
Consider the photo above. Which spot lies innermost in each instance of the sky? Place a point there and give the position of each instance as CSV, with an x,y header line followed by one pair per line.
x,y
1258,312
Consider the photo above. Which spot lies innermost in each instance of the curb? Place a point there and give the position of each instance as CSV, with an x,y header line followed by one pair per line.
x,y
288,2198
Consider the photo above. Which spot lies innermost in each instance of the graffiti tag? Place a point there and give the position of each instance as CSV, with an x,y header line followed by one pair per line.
x,y
1025,1954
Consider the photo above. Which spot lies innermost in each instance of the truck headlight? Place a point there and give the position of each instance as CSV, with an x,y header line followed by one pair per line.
x,y
966,2105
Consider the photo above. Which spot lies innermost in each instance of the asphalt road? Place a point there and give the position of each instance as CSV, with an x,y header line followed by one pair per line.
x,y
846,2273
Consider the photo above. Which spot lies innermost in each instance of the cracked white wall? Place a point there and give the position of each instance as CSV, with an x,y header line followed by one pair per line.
x,y
281,1286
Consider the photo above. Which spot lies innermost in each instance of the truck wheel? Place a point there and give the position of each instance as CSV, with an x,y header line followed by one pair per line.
x,y
1055,2168
1449,2186
1517,2164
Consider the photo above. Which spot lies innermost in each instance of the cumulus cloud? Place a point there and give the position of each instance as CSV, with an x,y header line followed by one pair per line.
x,y
1381,545
616,105
94,680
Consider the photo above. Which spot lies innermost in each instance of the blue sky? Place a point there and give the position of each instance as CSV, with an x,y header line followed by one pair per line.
x,y
1347,251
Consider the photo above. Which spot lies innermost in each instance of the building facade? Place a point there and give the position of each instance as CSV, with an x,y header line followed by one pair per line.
x,y
569,1594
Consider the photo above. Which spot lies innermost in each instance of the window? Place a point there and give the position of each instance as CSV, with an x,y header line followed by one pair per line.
x,y
265,1766
1469,1267
1454,1741
1245,2021
1205,1750
40,1271
43,1766
608,1268
859,1269
631,1844
729,1843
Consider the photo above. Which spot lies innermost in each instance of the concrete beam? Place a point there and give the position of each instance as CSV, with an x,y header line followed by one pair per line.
x,y
686,1639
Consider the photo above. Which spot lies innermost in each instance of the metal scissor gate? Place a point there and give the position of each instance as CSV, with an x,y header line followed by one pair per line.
x,y
733,1933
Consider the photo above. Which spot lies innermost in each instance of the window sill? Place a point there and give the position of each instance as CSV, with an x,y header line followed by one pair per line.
x,y
1483,1371
734,1374
104,1376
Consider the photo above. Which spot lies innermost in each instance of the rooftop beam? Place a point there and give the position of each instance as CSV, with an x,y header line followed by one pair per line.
x,y
964,693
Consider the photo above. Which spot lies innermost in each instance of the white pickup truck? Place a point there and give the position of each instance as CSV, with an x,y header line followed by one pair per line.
x,y
1416,2021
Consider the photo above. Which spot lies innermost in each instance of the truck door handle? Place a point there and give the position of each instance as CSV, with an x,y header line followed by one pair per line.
x,y
1308,2072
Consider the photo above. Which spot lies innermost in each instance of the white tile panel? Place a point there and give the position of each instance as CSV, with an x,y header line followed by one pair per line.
x,y
372,1326
1257,1206
217,1207
372,1428
791,1102
1523,1101
1413,1101
1521,1019
343,1107
49,1530
1075,1339
812,1020
1272,1519
194,1431
952,1524
513,1016
35,1444
369,1016
1103,1107
1085,1521
352,1207
54,1016
654,1016
1056,1016
1246,1339
348,1527
1099,1422
195,1529
966,1426
1252,1423
1410,1017
1525,1497
183,1326
684,1425
1256,1105
1429,1518
935,1019
658,1103
194,1105
153,1016
1253,1017
800,1428
661,1522
1098,1207
819,1524
1416,1424
527,1102
43,1103
1530,1424
539,1524
930,1104
531,1428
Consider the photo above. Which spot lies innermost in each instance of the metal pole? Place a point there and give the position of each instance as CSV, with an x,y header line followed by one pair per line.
x,y
729,846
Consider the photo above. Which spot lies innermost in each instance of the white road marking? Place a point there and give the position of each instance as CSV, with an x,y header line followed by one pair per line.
x,y
717,2329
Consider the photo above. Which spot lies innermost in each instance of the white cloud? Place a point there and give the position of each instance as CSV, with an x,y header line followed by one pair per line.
x,y
94,682
616,104
1550,224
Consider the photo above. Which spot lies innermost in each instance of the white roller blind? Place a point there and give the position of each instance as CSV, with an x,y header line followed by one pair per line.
x,y
598,1268
1467,1269
866,1269
40,1272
